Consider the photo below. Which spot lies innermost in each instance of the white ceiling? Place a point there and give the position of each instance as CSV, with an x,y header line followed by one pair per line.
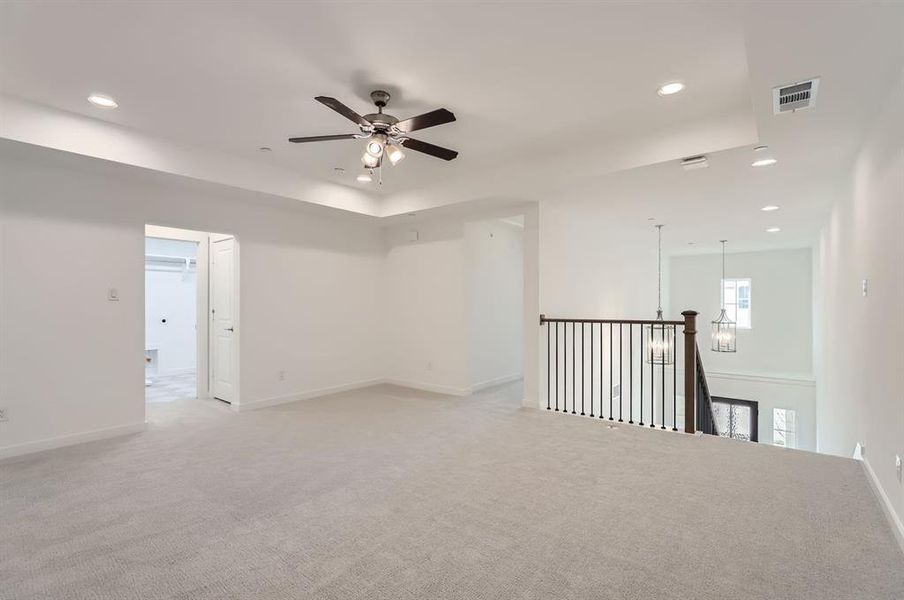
x,y
552,99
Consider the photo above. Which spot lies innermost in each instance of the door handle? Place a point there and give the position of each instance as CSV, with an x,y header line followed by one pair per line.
x,y
228,329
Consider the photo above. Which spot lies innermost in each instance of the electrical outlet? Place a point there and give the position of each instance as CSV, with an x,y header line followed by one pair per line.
x,y
281,375
864,288
4,414
113,295
898,465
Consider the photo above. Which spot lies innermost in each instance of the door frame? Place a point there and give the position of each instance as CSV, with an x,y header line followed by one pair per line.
x,y
237,334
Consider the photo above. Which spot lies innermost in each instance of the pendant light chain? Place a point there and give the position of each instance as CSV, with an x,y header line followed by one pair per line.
x,y
722,283
659,276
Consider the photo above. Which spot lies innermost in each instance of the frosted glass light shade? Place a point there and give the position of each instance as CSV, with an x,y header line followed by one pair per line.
x,y
724,335
660,341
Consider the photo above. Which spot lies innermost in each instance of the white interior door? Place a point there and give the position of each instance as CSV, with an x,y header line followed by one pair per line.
x,y
224,340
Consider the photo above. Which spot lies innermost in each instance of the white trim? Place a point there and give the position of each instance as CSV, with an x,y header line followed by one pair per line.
x,y
780,380
428,387
70,440
277,400
894,520
494,382
202,285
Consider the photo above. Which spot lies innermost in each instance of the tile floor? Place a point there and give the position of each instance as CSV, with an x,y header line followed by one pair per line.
x,y
169,388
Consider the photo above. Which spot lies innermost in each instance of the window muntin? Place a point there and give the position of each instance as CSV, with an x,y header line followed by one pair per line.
x,y
737,298
784,427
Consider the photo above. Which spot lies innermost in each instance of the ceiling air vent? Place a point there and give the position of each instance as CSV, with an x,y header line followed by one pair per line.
x,y
794,96
694,162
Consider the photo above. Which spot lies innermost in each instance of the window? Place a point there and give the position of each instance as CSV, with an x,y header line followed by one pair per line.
x,y
736,418
736,293
784,427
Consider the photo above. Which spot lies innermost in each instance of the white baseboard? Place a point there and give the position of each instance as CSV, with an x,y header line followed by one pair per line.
x,y
889,510
70,440
494,382
428,387
277,400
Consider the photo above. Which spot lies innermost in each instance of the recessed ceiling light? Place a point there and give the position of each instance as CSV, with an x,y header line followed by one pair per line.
x,y
764,162
265,149
364,178
339,170
769,208
773,230
102,100
671,88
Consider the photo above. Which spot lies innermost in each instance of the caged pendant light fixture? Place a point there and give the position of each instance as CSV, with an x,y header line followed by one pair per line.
x,y
724,336
660,337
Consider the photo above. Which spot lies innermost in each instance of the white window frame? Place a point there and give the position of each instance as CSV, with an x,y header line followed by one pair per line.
x,y
784,430
731,308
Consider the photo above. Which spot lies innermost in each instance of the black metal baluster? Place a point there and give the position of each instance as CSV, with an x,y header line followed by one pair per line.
x,y
557,366
641,376
621,370
611,359
591,370
548,366
583,375
631,374
602,367
574,371
675,380
662,374
652,379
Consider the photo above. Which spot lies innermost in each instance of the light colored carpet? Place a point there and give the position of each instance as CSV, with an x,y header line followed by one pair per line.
x,y
390,493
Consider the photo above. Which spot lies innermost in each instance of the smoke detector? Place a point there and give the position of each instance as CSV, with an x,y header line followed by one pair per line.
x,y
694,162
794,96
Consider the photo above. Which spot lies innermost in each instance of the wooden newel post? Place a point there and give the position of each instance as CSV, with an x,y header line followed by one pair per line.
x,y
690,370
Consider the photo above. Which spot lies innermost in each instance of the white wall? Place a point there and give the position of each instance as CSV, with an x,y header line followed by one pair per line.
x,y
170,306
495,287
774,361
860,354
426,308
71,362
454,304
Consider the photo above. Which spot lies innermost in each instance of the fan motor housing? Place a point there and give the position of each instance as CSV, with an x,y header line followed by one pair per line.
x,y
381,120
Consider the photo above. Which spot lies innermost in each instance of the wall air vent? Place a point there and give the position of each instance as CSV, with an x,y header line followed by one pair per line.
x,y
694,162
794,96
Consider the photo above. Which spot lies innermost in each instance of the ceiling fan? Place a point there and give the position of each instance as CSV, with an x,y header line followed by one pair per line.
x,y
386,134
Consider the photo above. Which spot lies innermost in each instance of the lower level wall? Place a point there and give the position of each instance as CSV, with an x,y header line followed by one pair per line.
x,y
771,393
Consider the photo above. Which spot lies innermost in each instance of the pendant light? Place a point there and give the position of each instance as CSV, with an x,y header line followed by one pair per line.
x,y
724,336
660,337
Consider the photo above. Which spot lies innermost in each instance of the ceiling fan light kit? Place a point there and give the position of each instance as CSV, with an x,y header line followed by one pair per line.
x,y
386,135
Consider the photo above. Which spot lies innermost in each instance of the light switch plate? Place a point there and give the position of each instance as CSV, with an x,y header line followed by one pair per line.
x,y
864,287
113,295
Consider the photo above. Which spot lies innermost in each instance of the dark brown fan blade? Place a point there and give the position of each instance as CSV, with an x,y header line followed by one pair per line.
x,y
343,110
430,119
323,138
437,151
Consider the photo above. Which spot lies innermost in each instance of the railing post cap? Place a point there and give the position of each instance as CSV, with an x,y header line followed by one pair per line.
x,y
690,313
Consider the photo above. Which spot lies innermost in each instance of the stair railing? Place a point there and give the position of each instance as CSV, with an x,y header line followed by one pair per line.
x,y
627,370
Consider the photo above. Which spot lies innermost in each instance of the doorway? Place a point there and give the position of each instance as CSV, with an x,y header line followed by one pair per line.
x,y
191,315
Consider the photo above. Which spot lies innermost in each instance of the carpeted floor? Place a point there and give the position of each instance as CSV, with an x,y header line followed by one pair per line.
x,y
388,493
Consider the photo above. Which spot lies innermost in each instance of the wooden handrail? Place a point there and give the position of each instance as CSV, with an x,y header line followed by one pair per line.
x,y
545,319
706,418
